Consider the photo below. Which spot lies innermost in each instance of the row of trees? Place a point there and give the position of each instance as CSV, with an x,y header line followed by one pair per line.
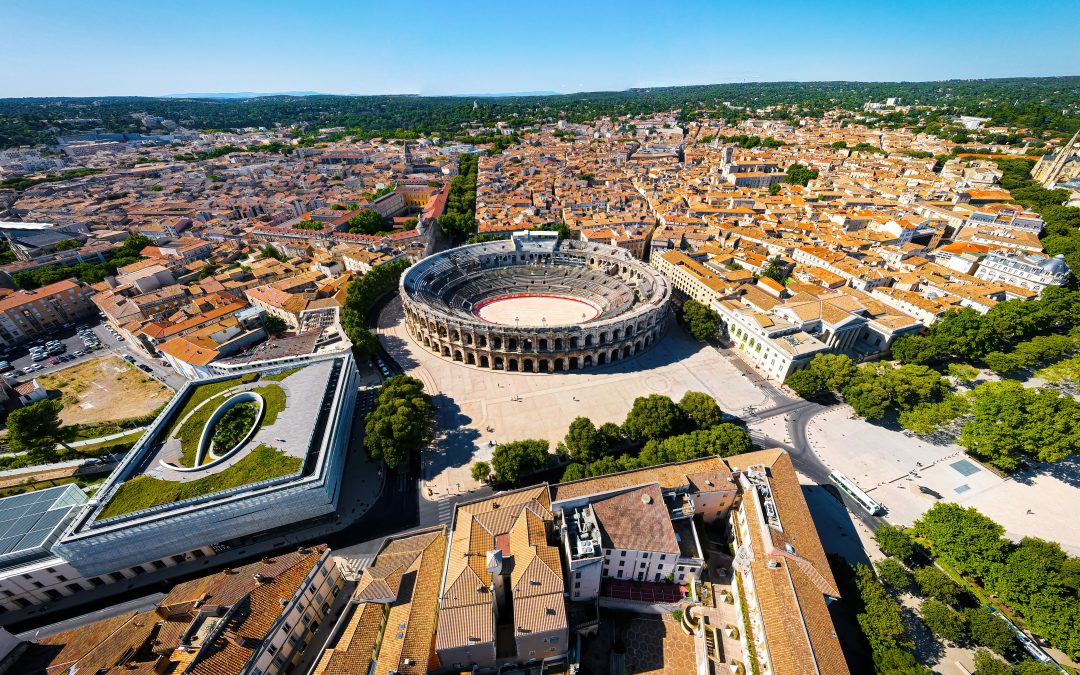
x,y
402,422
656,431
1002,422
361,296
1035,578
872,389
459,221
967,336
1031,353
947,609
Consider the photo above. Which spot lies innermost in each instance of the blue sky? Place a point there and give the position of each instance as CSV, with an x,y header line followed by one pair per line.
x,y
111,47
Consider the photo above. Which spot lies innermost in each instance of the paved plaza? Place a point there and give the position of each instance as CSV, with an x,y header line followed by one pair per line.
x,y
479,406
891,467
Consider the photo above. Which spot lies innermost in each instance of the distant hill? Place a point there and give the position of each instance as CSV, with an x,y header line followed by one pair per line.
x,y
244,94
508,94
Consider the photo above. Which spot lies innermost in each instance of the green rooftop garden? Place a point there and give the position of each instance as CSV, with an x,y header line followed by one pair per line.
x,y
143,492
188,432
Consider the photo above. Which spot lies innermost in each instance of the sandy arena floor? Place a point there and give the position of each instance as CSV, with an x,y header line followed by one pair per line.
x,y
537,310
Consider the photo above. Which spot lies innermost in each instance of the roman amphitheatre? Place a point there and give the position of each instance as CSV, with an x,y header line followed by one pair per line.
x,y
535,304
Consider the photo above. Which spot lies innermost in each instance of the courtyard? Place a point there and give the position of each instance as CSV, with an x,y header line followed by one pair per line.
x,y
481,406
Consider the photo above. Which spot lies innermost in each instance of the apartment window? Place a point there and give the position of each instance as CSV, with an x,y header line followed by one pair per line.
x,y
38,584
53,594
620,574
663,556
657,578
95,582
645,555
178,559
622,563
272,650
577,575
138,569
577,584
8,594
23,603
682,567
623,554
74,588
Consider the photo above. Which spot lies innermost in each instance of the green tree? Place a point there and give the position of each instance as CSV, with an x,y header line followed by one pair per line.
x,y
881,620
894,541
702,321
968,540
653,417
611,437
774,189
561,228
36,429
893,574
988,664
511,462
895,661
798,174
274,324
574,471
825,372
987,630
66,245
943,621
271,251
365,222
701,409
402,422
481,471
933,583
132,246
583,441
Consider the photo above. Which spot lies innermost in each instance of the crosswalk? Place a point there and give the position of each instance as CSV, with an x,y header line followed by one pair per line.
x,y
758,438
446,511
353,566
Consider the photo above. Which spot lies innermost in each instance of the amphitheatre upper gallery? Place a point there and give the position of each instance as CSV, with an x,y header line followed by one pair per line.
x,y
534,303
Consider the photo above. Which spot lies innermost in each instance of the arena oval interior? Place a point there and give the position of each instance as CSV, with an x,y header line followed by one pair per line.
x,y
535,304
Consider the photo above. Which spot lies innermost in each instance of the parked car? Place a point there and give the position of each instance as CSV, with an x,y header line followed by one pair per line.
x,y
4,365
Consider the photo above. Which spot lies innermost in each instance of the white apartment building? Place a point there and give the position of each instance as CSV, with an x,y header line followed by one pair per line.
x,y
1034,271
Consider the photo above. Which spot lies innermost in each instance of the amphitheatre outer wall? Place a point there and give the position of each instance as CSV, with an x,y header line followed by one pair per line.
x,y
442,296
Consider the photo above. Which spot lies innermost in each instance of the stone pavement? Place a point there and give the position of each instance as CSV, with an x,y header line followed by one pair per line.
x,y
891,467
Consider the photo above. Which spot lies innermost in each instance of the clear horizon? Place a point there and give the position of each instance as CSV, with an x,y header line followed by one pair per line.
x,y
72,48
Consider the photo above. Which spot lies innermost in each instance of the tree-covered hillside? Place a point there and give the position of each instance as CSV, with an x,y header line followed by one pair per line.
x,y
1038,104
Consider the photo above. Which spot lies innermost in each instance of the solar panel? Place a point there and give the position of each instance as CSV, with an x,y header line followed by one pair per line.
x,y
28,520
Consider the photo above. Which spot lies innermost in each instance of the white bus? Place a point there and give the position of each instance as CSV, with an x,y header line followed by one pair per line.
x,y
852,490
